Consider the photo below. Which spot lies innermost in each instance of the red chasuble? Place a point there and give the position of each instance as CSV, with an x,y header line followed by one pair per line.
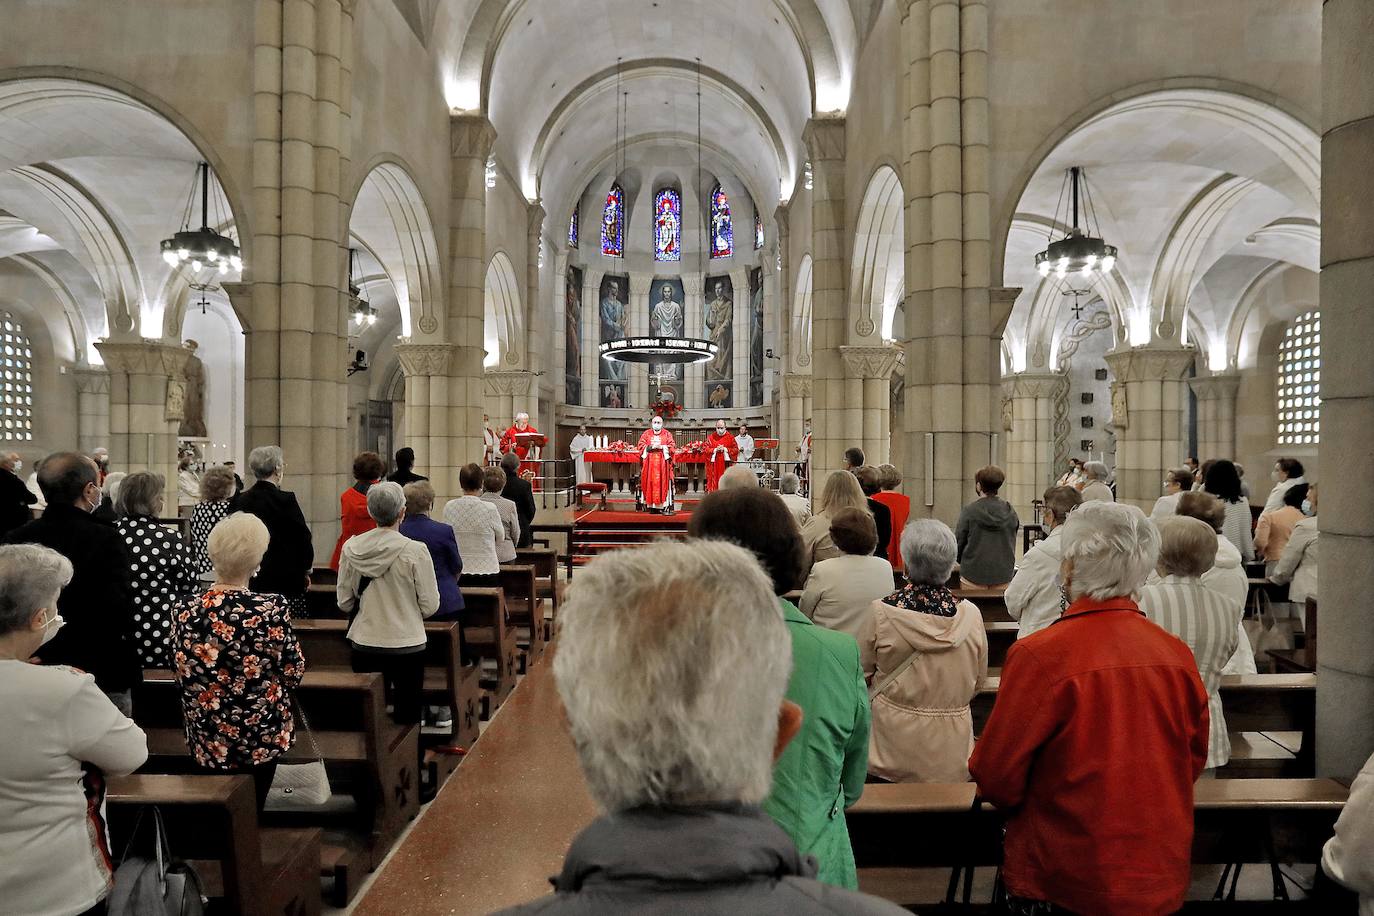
x,y
509,443
718,461
656,468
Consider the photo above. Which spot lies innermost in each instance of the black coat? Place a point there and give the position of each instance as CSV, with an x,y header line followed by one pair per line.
x,y
405,477
521,493
882,517
15,499
97,604
290,553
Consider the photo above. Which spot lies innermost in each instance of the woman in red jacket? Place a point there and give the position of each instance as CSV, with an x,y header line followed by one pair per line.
x,y
1099,731
367,470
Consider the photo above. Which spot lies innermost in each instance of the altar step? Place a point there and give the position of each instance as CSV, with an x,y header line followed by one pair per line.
x,y
603,530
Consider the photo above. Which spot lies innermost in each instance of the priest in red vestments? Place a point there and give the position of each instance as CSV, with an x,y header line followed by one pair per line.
x,y
656,466
511,441
721,450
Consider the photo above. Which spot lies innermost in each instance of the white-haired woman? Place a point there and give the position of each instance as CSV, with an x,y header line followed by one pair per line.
x,y
924,653
237,661
840,491
1201,617
60,733
1096,488
164,573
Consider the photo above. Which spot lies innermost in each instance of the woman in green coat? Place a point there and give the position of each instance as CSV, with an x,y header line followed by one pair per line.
x,y
822,771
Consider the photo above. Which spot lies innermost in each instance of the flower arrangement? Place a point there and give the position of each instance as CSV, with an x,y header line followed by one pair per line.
x,y
620,445
691,449
667,409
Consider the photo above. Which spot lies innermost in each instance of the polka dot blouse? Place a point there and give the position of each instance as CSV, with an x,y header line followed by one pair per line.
x,y
164,576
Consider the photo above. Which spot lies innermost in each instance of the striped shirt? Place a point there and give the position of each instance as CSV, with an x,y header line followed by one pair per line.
x,y
1208,623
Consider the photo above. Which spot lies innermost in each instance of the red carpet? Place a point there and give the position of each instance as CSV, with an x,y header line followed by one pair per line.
x,y
601,517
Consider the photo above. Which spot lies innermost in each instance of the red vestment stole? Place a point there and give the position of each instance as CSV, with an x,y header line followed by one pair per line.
x,y
510,443
656,470
716,462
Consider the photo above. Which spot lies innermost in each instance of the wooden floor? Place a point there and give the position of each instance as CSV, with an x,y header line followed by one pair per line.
x,y
501,825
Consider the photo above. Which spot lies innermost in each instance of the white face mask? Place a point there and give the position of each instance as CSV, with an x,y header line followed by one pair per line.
x,y
657,425
51,626
720,430
18,466
1274,476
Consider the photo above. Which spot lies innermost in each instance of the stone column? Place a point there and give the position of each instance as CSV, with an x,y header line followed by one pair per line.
x,y
591,337
825,143
427,415
796,409
1149,396
637,393
694,325
92,408
146,396
870,373
537,333
470,142
1345,680
1030,441
1216,414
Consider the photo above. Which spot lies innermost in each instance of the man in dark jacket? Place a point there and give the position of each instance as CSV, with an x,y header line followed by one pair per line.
x,y
986,533
97,604
521,493
15,497
290,556
683,830
405,468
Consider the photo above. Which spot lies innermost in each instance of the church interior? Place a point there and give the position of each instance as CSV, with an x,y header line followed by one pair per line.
x,y
640,249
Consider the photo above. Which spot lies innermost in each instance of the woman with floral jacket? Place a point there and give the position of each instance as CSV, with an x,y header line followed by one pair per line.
x,y
237,661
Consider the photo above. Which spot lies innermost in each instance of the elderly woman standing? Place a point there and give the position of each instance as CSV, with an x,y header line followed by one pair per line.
x,y
1274,529
925,655
237,661
841,491
61,732
1095,488
1202,618
367,470
839,590
441,542
164,572
1298,564
477,525
493,481
1227,576
290,554
216,494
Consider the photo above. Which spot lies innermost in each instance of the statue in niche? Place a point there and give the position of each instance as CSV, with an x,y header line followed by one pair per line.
x,y
193,407
1120,417
720,324
1007,414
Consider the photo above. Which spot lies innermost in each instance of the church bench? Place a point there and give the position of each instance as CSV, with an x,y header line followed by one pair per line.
x,y
545,563
1001,636
1281,706
992,602
366,755
565,529
212,823
489,636
898,829
524,609
448,681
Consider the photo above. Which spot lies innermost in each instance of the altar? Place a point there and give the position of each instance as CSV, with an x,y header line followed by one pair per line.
x,y
618,465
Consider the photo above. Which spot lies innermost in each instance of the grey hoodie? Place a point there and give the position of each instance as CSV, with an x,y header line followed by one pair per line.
x,y
390,580
987,541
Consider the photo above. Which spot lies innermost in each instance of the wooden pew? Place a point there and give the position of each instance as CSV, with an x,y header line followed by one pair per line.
x,y
1283,706
490,637
366,755
1001,637
933,825
524,609
565,529
212,823
545,563
992,602
448,682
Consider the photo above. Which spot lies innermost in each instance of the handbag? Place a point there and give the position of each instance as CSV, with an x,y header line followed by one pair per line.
x,y
877,689
160,886
301,785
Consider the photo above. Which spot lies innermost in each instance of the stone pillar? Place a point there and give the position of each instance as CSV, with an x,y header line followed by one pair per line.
x,y
870,400
470,142
591,337
146,396
1030,440
1345,679
537,333
825,143
796,409
694,325
1216,414
1149,397
637,390
92,408
428,416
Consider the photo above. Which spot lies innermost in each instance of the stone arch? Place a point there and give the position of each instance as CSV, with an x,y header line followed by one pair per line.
x,y
801,316
877,269
502,328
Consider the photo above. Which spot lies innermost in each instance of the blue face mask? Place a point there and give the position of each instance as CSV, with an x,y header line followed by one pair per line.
x,y
1307,508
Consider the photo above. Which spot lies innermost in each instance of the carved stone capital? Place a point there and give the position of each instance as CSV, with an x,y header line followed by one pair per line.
x,y
92,380
144,357
1032,384
796,385
872,362
824,139
471,136
424,359
1215,387
1140,364
512,382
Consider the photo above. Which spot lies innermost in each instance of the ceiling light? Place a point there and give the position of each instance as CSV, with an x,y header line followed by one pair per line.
x,y
1078,251
201,246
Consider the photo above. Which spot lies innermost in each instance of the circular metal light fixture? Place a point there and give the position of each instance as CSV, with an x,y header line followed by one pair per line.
x,y
659,350
1078,252
204,246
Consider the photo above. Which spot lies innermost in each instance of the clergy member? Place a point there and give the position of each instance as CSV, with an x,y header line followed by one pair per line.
x,y
745,443
578,449
656,466
489,443
512,442
803,469
721,450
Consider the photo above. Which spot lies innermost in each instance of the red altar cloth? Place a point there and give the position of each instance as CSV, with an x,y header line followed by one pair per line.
x,y
656,473
606,456
721,449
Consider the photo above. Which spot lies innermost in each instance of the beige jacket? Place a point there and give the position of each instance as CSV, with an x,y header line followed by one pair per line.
x,y
922,726
816,542
400,593
840,591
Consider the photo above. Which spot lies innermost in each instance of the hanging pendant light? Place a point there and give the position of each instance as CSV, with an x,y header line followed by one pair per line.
x,y
1078,252
204,246
364,315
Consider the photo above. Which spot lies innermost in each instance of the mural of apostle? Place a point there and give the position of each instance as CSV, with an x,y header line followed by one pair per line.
x,y
666,318
614,307
572,314
756,336
720,325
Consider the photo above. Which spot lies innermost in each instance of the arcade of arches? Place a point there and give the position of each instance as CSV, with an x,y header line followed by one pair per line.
x,y
890,168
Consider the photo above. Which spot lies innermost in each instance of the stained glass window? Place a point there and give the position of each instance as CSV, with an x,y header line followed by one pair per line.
x,y
668,225
1300,379
758,230
16,380
722,231
572,229
613,223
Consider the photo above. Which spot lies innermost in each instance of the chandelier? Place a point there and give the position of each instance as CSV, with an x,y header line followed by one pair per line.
x,y
364,315
204,246
1078,252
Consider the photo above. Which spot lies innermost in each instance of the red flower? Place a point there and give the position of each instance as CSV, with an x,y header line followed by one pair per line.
x,y
273,692
260,755
208,699
252,666
205,652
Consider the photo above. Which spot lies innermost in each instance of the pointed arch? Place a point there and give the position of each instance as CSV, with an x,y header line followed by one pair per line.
x,y
503,327
801,315
878,269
